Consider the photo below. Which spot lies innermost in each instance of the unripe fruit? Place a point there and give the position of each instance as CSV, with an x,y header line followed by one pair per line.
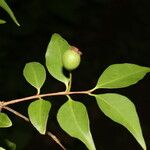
x,y
71,58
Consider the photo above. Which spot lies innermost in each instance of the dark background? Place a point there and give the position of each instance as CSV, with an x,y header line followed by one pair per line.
x,y
107,32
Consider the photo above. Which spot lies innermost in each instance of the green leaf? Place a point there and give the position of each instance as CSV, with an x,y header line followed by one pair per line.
x,y
4,121
35,74
10,145
4,5
2,148
73,118
55,50
121,110
2,21
38,114
121,75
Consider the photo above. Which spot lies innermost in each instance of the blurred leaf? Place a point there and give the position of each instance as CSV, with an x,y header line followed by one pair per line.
x,y
121,110
35,74
55,50
4,121
121,75
38,113
10,145
2,148
4,5
2,21
73,118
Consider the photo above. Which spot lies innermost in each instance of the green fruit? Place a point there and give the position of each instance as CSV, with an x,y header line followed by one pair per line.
x,y
71,59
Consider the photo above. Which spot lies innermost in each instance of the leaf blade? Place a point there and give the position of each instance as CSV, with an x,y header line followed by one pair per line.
x,y
73,119
121,110
35,74
2,21
4,5
10,144
1,148
121,75
38,112
56,47
4,121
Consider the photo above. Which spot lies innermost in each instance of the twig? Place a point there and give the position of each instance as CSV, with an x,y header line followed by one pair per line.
x,y
17,113
27,119
4,105
44,95
55,139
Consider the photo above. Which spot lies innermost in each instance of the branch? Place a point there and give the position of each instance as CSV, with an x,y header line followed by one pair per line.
x,y
55,139
44,95
27,119
17,113
4,105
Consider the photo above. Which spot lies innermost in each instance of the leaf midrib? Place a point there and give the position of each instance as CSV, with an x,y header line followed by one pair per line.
x,y
120,115
104,84
77,122
35,77
65,80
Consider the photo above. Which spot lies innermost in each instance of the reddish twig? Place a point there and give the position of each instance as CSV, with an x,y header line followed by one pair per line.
x,y
27,119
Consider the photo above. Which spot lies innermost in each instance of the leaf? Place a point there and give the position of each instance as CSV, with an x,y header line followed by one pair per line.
x,y
121,75
38,114
55,50
4,5
10,145
2,21
35,74
4,121
73,118
121,110
2,148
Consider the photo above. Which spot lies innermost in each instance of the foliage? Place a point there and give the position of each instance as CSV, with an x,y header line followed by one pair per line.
x,y
35,74
38,113
72,115
54,52
77,122
4,121
4,5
